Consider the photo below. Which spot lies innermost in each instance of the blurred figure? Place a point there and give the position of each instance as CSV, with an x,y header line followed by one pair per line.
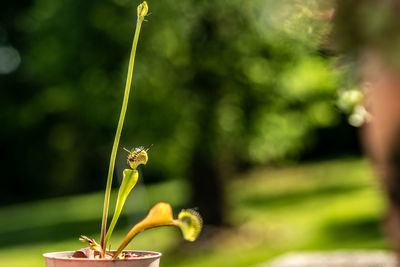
x,y
370,31
381,136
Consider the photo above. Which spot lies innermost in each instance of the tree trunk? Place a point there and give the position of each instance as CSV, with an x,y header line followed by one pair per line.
x,y
204,169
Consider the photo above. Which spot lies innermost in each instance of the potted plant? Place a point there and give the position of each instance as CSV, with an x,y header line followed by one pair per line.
x,y
189,221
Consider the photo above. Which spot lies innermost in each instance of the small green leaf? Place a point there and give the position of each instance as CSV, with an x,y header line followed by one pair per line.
x,y
128,182
92,243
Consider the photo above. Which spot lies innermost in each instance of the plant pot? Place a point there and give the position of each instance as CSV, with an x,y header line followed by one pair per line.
x,y
64,259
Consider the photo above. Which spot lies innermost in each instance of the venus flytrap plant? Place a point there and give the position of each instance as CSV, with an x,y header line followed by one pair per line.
x,y
141,13
188,221
130,177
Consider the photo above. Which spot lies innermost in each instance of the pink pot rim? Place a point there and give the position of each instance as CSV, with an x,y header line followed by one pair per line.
x,y
64,255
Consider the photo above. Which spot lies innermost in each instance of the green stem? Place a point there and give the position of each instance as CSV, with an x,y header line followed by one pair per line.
x,y
118,133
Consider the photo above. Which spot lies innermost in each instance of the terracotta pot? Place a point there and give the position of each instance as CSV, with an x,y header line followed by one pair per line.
x,y
63,259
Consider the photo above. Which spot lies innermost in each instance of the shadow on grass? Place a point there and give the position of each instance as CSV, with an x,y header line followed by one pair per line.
x,y
348,231
291,198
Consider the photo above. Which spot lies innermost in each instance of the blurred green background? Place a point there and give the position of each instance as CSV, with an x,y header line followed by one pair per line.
x,y
239,100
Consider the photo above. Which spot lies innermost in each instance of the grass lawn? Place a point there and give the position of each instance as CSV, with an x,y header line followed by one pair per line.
x,y
316,206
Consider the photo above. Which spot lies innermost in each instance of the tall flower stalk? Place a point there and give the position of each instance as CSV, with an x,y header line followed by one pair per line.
x,y
141,13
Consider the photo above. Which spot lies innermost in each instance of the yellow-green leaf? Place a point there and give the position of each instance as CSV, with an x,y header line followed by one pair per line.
x,y
128,182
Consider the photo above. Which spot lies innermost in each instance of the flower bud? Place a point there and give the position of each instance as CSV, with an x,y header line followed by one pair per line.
x,y
142,10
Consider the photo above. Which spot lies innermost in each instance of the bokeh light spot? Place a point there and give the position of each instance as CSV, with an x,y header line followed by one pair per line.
x,y
9,59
